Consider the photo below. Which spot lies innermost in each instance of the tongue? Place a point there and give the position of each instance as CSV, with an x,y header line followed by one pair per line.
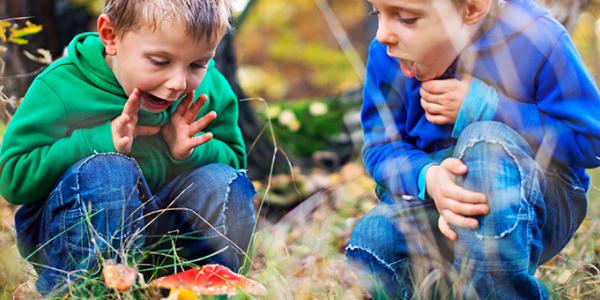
x,y
408,71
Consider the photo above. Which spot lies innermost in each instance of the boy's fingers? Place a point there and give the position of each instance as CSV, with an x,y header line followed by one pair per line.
x,y
439,86
192,113
433,98
445,228
123,145
455,166
121,123
458,220
146,130
466,209
199,140
461,194
437,119
185,103
203,122
431,107
133,103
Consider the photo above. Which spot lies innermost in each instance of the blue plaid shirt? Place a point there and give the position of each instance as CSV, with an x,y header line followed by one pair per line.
x,y
527,75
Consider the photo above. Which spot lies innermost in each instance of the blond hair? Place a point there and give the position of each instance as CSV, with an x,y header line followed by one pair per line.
x,y
203,19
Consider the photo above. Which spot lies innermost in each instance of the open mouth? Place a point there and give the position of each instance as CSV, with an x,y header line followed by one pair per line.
x,y
408,67
154,102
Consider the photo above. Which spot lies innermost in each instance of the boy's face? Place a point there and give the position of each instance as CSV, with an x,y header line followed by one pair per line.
x,y
164,63
426,35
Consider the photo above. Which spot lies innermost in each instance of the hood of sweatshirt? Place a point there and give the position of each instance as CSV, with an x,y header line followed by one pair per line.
x,y
86,52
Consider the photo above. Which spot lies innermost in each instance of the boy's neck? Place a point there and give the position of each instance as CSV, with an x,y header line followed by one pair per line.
x,y
107,59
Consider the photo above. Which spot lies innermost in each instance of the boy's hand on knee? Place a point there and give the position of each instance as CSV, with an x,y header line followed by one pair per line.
x,y
180,133
445,228
124,128
456,205
442,99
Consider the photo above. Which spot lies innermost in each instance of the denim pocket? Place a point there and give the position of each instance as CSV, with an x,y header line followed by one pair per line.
x,y
75,235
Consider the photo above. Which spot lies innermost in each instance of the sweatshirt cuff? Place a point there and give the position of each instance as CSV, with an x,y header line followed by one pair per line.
x,y
423,182
480,104
98,139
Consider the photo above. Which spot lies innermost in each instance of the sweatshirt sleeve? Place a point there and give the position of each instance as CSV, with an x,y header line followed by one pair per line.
x,y
227,145
39,145
480,104
564,121
391,159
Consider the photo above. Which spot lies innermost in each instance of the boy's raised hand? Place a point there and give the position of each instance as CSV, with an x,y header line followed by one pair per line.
x,y
441,99
457,206
180,133
124,128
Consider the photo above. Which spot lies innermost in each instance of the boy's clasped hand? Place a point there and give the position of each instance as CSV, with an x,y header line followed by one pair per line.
x,y
442,99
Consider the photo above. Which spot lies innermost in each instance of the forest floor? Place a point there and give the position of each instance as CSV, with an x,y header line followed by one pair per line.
x,y
299,252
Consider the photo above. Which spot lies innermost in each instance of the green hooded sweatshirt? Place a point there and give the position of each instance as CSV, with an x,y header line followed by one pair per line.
x,y
65,117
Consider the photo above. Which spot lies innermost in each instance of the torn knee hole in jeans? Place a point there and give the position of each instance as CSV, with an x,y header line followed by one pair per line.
x,y
507,201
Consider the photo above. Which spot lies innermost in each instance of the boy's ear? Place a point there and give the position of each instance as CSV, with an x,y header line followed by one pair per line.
x,y
475,10
107,34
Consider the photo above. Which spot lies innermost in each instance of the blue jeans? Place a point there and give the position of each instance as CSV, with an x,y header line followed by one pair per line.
x,y
534,212
102,207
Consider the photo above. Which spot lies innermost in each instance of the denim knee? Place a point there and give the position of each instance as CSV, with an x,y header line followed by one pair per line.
x,y
492,132
380,249
501,165
214,202
109,171
103,188
204,193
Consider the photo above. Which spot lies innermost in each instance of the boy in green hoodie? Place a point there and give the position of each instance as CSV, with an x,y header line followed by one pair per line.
x,y
133,135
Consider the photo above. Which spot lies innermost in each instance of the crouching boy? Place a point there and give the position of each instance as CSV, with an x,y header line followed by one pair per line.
x,y
479,118
130,142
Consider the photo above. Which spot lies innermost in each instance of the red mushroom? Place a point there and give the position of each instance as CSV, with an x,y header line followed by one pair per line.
x,y
210,280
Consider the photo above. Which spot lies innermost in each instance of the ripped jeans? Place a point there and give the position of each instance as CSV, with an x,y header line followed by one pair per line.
x,y
102,208
534,212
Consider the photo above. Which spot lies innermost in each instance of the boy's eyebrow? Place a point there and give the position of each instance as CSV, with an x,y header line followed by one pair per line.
x,y
168,54
413,8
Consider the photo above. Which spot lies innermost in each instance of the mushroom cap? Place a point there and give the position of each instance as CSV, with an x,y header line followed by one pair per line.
x,y
210,279
118,276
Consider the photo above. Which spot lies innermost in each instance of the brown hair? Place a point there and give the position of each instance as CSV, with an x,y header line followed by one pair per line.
x,y
203,19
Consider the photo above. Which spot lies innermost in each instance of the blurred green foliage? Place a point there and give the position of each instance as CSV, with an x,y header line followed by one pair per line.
x,y
316,121
94,7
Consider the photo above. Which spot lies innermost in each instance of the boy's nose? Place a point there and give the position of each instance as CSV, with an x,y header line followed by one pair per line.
x,y
177,82
385,35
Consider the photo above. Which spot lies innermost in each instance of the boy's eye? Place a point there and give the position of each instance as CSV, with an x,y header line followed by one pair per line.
x,y
201,65
374,12
158,62
408,21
